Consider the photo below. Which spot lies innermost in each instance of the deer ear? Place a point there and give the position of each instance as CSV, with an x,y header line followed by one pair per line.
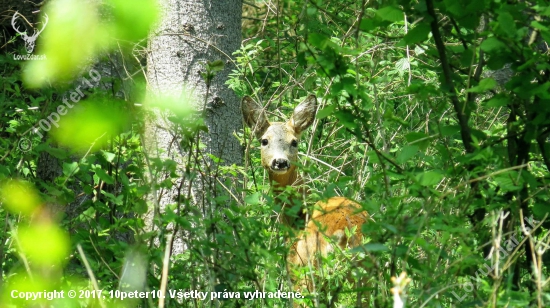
x,y
304,114
254,116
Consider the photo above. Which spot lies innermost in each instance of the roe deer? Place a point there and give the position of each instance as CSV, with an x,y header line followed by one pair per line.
x,y
279,153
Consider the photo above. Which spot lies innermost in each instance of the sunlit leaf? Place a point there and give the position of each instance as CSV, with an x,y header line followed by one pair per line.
x,y
492,44
417,34
19,197
449,130
429,178
498,102
484,85
371,247
44,244
325,112
132,20
406,153
70,168
72,36
252,199
90,126
506,24
102,175
390,13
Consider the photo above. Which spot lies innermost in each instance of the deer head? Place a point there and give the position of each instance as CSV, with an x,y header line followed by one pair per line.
x,y
279,140
29,40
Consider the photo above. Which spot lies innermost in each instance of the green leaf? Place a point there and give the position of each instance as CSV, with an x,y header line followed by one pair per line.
x,y
45,245
466,57
346,118
19,197
541,209
318,40
109,156
390,228
375,247
325,112
406,153
252,199
492,44
507,24
420,139
70,168
118,200
429,178
388,115
498,102
371,247
416,35
449,130
215,66
539,26
415,136
369,24
56,152
311,10
104,176
542,91
390,13
68,42
483,86
508,181
402,65
132,21
478,134
545,35
89,128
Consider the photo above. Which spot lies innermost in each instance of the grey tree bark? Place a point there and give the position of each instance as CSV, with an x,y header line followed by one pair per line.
x,y
190,34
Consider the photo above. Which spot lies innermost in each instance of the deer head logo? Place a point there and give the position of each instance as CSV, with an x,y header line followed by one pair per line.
x,y
29,39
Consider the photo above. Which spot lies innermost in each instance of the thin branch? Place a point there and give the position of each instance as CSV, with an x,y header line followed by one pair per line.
x,y
447,74
90,273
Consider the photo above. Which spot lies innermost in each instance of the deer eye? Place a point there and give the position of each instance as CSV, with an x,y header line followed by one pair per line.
x,y
264,142
294,143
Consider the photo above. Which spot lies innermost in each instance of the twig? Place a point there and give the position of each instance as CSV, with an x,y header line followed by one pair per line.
x,y
482,178
165,267
458,106
90,273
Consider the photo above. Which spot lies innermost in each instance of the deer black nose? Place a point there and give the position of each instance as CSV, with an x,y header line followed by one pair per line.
x,y
279,163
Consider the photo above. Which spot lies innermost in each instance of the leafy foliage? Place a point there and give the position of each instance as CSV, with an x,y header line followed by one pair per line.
x,y
429,112
434,116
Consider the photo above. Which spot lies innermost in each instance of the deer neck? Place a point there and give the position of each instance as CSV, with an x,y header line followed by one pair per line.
x,y
280,182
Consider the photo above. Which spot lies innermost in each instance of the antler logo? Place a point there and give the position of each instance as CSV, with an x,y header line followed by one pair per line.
x,y
29,39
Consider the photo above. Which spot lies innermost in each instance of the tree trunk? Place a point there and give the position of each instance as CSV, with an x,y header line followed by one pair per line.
x,y
191,34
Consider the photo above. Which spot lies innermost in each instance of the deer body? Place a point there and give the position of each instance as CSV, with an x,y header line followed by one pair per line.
x,y
279,152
